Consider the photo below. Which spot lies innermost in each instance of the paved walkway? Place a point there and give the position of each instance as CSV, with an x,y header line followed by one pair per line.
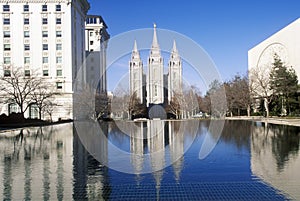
x,y
271,120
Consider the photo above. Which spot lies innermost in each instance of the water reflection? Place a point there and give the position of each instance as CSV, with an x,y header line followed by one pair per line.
x,y
56,163
158,143
275,156
36,157
91,179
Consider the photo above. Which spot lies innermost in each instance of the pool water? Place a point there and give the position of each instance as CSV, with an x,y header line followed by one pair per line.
x,y
150,161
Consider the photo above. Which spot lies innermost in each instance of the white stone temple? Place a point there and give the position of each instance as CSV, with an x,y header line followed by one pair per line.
x,y
155,88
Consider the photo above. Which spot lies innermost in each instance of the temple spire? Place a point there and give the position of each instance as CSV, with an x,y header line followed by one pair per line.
x,y
174,47
135,52
135,46
174,54
155,42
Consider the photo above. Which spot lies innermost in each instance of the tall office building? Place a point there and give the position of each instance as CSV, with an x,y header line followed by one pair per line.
x,y
95,69
44,39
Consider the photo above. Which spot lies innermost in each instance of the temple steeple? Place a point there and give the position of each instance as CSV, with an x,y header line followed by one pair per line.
x,y
155,50
155,84
155,42
136,74
175,74
174,54
135,53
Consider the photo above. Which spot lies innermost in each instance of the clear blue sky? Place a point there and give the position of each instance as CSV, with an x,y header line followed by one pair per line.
x,y
226,29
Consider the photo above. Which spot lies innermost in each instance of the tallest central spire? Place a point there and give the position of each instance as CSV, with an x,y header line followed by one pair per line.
x,y
155,42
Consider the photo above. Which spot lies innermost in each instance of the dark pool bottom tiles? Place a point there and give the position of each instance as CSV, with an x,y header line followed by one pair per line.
x,y
196,191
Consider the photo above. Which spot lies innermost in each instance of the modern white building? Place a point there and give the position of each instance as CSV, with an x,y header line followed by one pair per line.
x,y
155,88
47,39
285,43
95,66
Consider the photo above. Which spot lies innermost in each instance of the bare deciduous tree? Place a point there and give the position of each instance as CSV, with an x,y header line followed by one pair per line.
x,y
18,88
259,85
41,96
174,106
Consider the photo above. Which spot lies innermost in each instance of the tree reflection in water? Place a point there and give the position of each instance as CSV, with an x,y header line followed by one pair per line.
x,y
275,156
53,163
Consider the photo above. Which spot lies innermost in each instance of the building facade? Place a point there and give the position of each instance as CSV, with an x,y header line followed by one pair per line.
x,y
47,39
285,43
155,88
96,43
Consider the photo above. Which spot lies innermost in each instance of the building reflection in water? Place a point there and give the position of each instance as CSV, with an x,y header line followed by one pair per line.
x,y
36,163
159,143
49,164
176,143
91,180
138,137
275,157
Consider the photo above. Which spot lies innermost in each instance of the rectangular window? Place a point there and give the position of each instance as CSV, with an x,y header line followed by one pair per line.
x,y
45,60
155,90
6,47
6,60
26,8
45,34
58,47
45,73
27,73
91,42
44,8
58,8
91,33
26,47
58,60
58,72
26,20
59,85
6,21
45,21
26,60
6,34
58,20
45,46
6,8
7,73
26,34
58,34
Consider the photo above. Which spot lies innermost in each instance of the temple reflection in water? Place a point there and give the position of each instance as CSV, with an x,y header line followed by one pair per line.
x,y
52,163
67,162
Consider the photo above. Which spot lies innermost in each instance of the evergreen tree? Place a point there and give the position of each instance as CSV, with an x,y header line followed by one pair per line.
x,y
284,84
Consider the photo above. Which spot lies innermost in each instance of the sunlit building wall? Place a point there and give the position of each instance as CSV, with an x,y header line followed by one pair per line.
x,y
285,43
44,39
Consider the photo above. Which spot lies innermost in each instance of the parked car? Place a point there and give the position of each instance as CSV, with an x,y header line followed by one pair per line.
x,y
198,115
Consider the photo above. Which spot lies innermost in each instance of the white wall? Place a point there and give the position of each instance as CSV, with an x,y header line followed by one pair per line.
x,y
286,43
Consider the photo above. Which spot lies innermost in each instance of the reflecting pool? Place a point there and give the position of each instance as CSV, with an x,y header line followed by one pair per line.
x,y
154,160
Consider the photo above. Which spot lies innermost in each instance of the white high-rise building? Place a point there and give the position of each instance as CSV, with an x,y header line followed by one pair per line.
x,y
95,66
95,45
46,39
